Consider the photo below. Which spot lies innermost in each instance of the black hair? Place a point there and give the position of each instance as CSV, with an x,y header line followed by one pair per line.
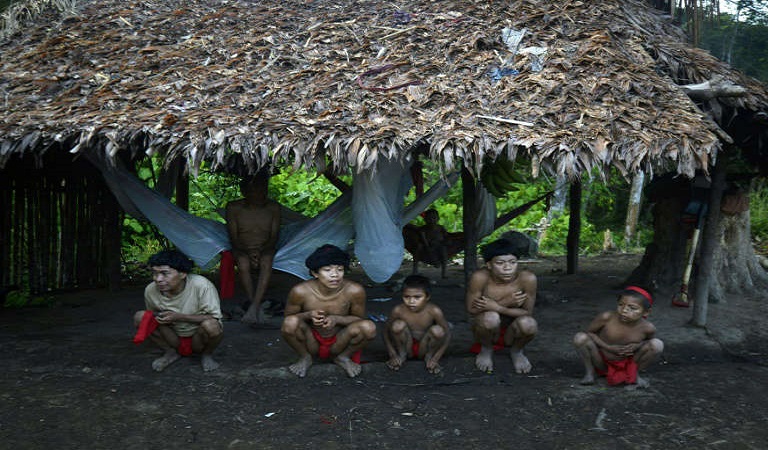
x,y
327,255
171,258
418,282
638,293
497,248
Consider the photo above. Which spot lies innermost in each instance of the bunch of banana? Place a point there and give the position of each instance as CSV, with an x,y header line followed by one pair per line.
x,y
500,176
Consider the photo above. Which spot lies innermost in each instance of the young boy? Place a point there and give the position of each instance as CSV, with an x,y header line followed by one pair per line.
x,y
324,316
618,344
500,300
416,328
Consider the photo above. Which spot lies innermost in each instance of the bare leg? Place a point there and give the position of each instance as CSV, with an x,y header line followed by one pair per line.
x,y
399,337
205,341
254,313
351,339
486,331
296,333
645,356
433,340
166,339
589,356
519,334
170,357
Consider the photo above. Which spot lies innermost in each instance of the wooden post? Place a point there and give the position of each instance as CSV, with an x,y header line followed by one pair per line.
x,y
633,209
468,192
574,228
709,243
182,189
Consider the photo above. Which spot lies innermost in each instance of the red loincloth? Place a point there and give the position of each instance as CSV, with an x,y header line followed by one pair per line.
x,y
227,275
498,345
149,324
415,347
185,346
619,371
324,351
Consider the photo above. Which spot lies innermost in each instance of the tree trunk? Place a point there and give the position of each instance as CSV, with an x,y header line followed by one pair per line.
x,y
633,208
468,218
735,267
574,229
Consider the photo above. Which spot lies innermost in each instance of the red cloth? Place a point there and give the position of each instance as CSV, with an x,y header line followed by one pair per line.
x,y
147,326
415,347
498,345
227,275
619,371
324,352
185,346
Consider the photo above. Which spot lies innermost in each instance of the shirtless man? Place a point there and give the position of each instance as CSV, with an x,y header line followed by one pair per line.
x,y
253,224
620,343
432,247
500,300
182,314
324,316
417,328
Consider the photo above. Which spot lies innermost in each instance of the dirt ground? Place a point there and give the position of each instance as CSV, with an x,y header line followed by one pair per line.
x,y
73,379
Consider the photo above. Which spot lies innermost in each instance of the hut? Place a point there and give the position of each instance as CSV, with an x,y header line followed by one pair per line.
x,y
570,87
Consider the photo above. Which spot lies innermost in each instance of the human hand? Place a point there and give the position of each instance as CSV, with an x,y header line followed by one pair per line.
x,y
318,318
487,304
519,299
165,317
628,349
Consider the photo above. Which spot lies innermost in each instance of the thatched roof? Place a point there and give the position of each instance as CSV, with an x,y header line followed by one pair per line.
x,y
311,82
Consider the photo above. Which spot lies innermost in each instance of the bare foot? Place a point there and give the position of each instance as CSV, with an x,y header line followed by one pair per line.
x,y
353,369
396,362
253,315
588,379
300,367
642,383
170,357
484,359
432,366
208,363
519,360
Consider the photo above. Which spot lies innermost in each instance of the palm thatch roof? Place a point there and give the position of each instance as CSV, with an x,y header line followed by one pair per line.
x,y
310,83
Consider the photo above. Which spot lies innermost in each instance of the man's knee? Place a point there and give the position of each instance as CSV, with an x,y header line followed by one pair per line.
x,y
655,346
212,328
527,325
581,339
488,320
437,332
398,326
363,328
291,325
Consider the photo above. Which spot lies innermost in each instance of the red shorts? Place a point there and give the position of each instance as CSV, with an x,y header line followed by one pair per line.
x,y
149,324
498,345
619,371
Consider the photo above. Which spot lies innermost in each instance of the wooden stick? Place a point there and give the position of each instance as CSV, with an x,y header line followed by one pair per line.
x,y
501,119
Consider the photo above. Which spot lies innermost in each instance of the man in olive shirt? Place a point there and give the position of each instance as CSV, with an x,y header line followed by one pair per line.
x,y
182,314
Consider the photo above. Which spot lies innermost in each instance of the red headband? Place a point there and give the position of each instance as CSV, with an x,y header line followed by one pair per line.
x,y
640,291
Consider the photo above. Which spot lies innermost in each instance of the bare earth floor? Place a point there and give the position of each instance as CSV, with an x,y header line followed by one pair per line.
x,y
72,379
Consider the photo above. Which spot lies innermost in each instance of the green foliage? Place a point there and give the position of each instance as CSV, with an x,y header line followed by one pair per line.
x,y
308,193
743,44
16,299
758,210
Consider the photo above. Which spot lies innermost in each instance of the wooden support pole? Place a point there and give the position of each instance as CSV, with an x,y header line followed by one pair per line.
x,y
709,244
574,228
182,189
633,209
468,218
